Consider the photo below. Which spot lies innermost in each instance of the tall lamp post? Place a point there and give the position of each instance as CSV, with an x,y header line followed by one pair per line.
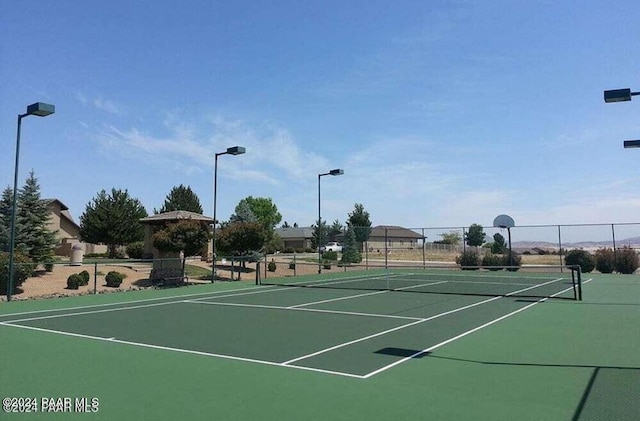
x,y
332,172
234,150
39,109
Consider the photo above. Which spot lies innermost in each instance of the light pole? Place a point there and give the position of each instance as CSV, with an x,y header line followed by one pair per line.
x,y
332,172
234,150
39,109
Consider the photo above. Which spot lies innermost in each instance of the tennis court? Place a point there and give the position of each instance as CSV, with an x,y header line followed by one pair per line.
x,y
394,334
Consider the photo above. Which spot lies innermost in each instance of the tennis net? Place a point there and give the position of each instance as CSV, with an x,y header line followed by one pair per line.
x,y
534,281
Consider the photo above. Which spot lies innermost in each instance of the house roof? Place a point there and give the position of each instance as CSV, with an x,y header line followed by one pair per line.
x,y
64,210
394,231
179,215
291,233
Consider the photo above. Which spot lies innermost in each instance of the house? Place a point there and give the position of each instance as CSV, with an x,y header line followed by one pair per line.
x,y
392,236
297,238
156,222
67,230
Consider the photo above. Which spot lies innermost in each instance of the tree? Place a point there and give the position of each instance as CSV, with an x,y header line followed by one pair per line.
x,y
499,245
334,230
359,221
240,238
350,250
319,235
34,238
243,213
264,210
113,220
451,237
186,236
5,218
475,235
181,198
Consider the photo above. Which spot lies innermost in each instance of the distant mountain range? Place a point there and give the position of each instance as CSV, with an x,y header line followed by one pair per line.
x,y
528,245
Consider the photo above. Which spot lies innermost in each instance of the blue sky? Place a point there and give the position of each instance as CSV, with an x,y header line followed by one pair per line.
x,y
441,113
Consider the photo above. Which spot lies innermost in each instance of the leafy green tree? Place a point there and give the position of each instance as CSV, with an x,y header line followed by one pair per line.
x,y
112,219
181,198
335,229
186,236
499,245
350,250
451,237
23,268
360,222
475,235
319,236
240,238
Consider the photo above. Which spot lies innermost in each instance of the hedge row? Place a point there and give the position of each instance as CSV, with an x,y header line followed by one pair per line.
x,y
623,260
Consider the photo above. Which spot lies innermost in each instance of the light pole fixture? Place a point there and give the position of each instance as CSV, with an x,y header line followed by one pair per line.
x,y
39,109
234,150
619,95
332,172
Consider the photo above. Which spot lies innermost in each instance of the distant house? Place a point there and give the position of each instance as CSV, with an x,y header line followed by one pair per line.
x,y
67,230
392,236
297,238
155,222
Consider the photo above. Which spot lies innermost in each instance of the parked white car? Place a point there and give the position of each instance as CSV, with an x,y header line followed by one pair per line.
x,y
332,247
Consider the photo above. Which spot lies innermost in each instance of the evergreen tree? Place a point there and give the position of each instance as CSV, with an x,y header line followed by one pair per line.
x,y
5,218
335,229
33,236
181,198
360,222
113,220
350,249
499,245
243,213
319,235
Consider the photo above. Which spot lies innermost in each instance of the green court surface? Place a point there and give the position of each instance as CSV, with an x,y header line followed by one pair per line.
x,y
237,351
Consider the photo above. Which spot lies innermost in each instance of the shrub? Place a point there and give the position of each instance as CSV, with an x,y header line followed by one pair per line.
x,y
74,281
114,279
48,267
134,250
626,260
330,255
327,263
581,258
605,260
292,265
468,260
512,262
272,266
23,268
492,261
85,277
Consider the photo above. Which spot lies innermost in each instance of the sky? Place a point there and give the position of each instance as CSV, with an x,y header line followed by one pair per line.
x,y
441,113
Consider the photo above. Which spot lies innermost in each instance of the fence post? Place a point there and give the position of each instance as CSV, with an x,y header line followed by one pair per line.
x,y
615,253
560,247
424,256
386,252
95,278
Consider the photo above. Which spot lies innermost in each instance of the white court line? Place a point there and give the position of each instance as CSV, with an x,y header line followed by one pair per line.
x,y
311,310
270,287
431,348
322,351
186,351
